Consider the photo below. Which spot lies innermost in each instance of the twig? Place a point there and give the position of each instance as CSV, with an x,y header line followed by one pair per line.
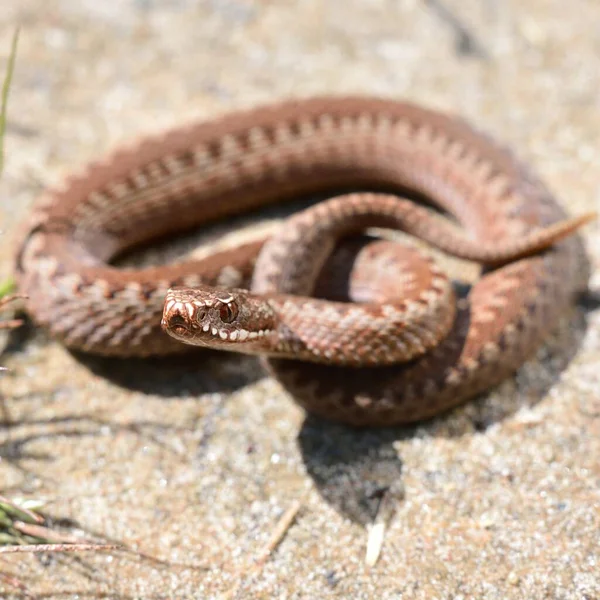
x,y
5,300
282,527
41,532
57,548
276,537
377,529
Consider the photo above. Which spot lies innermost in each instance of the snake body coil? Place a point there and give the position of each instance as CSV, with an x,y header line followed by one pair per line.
x,y
198,174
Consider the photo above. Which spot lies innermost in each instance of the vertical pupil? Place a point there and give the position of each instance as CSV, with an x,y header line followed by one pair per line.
x,y
227,313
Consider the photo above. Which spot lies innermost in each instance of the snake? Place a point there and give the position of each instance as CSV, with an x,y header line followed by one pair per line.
x,y
357,328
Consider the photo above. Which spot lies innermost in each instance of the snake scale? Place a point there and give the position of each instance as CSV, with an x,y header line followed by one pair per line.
x,y
404,349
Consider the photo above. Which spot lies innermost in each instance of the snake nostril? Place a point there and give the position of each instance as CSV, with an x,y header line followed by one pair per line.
x,y
177,323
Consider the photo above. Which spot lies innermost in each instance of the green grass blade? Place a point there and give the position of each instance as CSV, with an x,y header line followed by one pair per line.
x,y
7,286
5,88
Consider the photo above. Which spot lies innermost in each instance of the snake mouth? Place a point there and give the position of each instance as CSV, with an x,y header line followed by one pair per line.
x,y
237,335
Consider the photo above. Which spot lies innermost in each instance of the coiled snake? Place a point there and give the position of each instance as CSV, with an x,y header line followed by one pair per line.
x,y
404,309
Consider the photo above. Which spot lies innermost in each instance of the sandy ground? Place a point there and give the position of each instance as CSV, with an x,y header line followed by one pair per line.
x,y
194,465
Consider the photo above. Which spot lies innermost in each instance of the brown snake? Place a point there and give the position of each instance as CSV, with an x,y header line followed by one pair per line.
x,y
404,310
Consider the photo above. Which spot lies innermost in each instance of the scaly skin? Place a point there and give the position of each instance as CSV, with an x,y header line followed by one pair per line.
x,y
209,171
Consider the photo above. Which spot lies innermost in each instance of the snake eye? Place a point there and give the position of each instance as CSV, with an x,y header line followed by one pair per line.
x,y
228,312
200,314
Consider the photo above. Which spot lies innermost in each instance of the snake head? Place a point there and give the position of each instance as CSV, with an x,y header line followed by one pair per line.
x,y
216,318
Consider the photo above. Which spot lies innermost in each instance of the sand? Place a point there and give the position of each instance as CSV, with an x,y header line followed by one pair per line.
x,y
192,465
